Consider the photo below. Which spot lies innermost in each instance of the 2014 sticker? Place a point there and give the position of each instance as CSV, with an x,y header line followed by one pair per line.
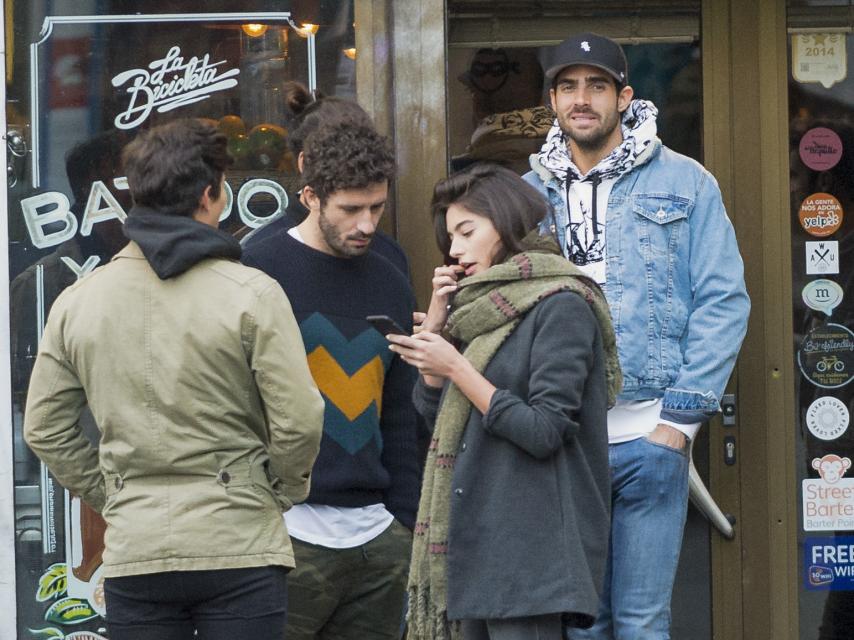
x,y
819,57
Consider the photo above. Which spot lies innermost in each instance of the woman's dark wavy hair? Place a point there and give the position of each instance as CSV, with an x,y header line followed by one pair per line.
x,y
309,112
169,167
514,207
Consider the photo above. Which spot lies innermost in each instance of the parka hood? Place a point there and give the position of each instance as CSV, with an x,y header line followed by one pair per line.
x,y
173,244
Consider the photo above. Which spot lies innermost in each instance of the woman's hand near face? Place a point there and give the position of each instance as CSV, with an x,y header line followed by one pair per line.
x,y
444,285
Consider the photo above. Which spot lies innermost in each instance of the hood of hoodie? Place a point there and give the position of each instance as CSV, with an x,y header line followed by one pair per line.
x,y
173,244
640,141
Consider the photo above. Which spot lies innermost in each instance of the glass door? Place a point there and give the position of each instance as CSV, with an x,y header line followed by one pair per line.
x,y
821,155
83,78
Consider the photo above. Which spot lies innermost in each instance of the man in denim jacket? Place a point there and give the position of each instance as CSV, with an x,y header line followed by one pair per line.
x,y
649,225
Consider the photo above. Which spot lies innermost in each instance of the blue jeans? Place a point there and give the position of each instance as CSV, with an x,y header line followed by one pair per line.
x,y
649,501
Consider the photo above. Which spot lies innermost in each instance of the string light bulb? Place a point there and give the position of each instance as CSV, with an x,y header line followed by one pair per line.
x,y
308,29
254,30
350,53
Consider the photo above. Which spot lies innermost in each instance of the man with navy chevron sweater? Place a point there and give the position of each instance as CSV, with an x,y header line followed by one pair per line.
x,y
352,535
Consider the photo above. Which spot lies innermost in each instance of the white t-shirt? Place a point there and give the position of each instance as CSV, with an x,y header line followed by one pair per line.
x,y
585,243
630,420
335,527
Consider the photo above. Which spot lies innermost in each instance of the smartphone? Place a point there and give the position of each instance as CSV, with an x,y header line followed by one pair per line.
x,y
386,325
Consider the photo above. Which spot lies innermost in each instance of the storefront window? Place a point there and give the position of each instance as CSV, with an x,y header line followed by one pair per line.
x,y
83,78
502,98
497,56
821,153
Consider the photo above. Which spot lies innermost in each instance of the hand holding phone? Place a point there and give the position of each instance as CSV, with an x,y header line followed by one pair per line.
x,y
386,325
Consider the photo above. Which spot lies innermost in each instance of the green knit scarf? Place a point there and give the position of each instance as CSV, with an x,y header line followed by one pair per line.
x,y
487,308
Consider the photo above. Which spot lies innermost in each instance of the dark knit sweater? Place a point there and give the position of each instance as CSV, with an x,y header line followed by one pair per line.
x,y
368,452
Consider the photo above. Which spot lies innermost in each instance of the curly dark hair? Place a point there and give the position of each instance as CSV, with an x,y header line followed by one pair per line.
x,y
169,167
346,155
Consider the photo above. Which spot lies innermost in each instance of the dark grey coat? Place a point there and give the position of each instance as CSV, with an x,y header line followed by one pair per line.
x,y
529,521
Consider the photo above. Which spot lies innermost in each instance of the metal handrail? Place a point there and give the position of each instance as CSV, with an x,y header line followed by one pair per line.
x,y
704,501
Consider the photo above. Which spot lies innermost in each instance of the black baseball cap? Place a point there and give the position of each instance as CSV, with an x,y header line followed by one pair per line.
x,y
594,50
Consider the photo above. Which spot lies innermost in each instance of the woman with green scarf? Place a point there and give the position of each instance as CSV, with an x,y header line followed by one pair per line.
x,y
518,367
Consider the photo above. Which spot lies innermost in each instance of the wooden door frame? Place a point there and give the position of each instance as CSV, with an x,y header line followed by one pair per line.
x,y
745,66
402,84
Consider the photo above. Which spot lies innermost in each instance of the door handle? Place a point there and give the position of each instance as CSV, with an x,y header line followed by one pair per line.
x,y
17,147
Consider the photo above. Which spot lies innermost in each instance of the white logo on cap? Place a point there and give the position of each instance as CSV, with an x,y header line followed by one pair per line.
x,y
585,45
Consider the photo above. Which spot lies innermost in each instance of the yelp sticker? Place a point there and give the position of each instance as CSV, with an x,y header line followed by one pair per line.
x,y
821,215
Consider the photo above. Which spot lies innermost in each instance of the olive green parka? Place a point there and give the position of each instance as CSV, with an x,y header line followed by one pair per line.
x,y
209,418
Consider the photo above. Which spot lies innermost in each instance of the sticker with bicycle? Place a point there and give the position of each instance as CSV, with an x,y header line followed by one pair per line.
x,y
826,356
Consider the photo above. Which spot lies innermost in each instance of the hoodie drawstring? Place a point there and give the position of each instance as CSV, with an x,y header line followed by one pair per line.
x,y
566,184
595,180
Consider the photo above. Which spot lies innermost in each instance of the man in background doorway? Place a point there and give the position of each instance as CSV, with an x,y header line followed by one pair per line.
x,y
650,226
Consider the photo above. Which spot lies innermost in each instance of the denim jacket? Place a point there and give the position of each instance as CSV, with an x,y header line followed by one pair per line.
x,y
674,280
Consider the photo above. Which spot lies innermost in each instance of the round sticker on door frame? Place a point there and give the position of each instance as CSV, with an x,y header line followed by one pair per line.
x,y
820,149
827,418
826,356
820,215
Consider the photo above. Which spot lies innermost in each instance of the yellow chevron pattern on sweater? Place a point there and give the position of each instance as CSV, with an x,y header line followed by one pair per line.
x,y
351,394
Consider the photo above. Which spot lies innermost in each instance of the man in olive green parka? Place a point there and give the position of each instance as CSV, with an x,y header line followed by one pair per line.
x,y
195,372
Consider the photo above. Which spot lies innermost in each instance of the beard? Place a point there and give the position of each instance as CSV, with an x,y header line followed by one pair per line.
x,y
338,242
594,138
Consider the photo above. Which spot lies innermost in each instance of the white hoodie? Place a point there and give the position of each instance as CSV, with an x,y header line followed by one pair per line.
x,y
586,196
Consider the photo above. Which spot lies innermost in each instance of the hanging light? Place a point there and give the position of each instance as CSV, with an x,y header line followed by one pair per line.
x,y
350,53
308,29
254,30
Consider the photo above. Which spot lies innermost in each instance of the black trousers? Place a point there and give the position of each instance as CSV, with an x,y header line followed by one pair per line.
x,y
223,604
